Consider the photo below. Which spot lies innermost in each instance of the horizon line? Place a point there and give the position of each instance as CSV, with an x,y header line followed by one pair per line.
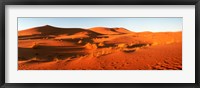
x,y
92,27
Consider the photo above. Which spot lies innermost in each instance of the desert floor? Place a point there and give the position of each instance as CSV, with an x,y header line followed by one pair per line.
x,y
99,48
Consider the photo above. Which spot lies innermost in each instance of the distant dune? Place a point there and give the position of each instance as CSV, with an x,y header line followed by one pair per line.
x,y
99,48
104,30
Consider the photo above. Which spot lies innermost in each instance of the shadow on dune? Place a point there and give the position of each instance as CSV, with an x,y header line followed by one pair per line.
x,y
106,45
137,45
84,40
48,53
35,36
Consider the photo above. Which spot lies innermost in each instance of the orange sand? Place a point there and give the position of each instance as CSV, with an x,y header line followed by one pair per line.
x,y
99,48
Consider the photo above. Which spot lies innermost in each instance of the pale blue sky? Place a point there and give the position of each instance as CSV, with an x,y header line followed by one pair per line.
x,y
134,24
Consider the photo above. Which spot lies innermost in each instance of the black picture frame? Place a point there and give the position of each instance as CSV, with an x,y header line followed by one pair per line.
x,y
98,2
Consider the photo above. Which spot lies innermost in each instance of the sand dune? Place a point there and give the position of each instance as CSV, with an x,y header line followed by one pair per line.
x,y
99,48
104,30
52,31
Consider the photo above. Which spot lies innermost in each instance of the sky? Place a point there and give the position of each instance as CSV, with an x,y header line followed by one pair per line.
x,y
137,24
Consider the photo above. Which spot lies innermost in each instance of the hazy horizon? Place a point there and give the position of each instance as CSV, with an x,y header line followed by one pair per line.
x,y
137,24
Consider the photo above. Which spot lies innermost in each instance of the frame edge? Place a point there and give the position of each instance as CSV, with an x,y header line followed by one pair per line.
x,y
2,44
197,42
